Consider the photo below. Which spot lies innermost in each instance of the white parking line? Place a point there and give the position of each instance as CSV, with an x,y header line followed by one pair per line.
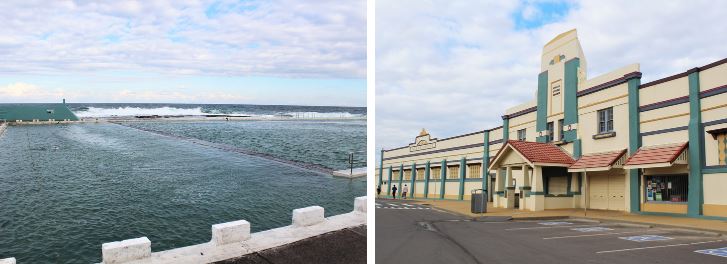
x,y
546,227
600,234
663,246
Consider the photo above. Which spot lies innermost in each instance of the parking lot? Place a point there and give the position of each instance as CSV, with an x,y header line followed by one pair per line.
x,y
434,236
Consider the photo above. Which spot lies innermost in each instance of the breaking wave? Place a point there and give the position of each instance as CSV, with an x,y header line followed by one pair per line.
x,y
127,111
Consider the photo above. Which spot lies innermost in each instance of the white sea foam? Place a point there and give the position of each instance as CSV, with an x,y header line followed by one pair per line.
x,y
173,111
138,111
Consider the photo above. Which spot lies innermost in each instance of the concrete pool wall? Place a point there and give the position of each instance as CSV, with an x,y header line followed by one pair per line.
x,y
233,239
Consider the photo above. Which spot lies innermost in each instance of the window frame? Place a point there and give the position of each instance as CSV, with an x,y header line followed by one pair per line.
x,y
549,127
522,134
604,120
561,135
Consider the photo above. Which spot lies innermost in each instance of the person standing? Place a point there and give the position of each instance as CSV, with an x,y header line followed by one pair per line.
x,y
393,190
404,190
378,190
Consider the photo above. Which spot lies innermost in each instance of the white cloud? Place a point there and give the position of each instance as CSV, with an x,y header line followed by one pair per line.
x,y
454,67
285,38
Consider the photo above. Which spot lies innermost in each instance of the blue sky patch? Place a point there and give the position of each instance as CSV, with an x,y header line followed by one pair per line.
x,y
535,15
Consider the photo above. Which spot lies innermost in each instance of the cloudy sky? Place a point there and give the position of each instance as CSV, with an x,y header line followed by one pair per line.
x,y
247,51
453,67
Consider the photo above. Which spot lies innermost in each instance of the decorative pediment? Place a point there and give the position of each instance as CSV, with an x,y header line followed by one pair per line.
x,y
423,141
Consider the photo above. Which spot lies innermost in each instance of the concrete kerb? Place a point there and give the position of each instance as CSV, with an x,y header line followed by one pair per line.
x,y
233,239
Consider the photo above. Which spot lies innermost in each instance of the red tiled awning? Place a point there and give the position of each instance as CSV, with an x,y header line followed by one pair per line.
x,y
597,161
546,154
658,156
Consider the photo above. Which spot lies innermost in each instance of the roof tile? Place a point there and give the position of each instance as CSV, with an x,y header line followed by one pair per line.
x,y
657,154
541,152
598,160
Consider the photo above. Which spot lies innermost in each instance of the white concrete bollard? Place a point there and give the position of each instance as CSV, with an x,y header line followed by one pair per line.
x,y
126,250
359,204
7,261
230,232
308,216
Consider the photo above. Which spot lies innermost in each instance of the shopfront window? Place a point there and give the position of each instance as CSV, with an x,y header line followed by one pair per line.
x,y
435,173
453,172
666,188
474,171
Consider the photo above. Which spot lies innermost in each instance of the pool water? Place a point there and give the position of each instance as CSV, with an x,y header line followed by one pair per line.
x,y
66,189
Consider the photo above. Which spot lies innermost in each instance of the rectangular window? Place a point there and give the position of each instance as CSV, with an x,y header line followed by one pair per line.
x,y
435,173
549,132
420,174
666,188
395,175
561,136
722,148
557,185
521,134
453,172
407,175
605,120
474,171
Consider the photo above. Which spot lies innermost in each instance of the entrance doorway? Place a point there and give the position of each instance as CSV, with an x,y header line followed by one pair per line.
x,y
606,191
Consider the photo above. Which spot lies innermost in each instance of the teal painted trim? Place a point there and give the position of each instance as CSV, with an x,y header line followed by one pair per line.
x,y
401,179
472,180
452,180
381,169
577,148
388,189
570,86
443,173
576,193
426,180
505,130
486,160
569,178
413,178
542,114
634,142
695,198
537,193
462,173
559,195
714,170
580,182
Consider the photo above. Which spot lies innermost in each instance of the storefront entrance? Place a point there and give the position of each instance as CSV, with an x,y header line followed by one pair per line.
x,y
607,191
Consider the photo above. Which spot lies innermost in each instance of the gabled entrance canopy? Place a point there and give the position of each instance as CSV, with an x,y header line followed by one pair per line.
x,y
531,153
599,161
658,156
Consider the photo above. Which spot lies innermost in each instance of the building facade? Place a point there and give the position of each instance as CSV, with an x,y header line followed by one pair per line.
x,y
608,142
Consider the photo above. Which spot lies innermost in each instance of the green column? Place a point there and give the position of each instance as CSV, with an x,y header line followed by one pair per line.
x,y
634,81
695,199
570,96
413,178
462,173
505,129
542,114
381,169
401,178
443,177
426,180
388,189
486,161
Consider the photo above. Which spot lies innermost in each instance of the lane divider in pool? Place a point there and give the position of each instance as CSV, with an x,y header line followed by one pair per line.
x,y
233,239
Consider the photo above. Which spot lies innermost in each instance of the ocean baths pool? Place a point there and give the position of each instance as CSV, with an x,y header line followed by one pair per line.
x,y
66,189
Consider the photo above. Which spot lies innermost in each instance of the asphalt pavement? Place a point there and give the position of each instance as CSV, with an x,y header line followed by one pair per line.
x,y
422,234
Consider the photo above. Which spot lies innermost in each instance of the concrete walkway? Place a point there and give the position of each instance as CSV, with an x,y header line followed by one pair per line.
x,y
463,208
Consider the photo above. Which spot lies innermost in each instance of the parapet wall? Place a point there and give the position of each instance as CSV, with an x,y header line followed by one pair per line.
x,y
233,239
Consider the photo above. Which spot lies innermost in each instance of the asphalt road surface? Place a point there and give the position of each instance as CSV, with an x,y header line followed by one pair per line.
x,y
421,234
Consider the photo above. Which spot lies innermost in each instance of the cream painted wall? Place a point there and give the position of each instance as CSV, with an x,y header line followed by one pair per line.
x,y
714,185
664,91
711,150
588,126
713,77
665,138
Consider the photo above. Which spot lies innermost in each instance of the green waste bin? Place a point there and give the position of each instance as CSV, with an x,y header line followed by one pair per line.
x,y
479,201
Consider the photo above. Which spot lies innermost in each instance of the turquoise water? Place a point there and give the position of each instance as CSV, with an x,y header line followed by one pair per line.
x,y
66,189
